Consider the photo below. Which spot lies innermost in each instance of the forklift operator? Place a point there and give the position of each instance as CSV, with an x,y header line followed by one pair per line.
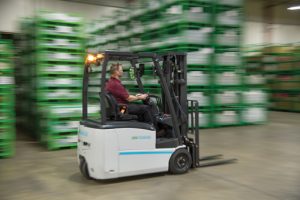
x,y
117,89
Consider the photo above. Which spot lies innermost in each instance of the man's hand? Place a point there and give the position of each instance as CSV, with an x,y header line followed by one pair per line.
x,y
142,96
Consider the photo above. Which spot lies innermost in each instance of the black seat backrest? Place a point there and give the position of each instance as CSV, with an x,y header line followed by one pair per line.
x,y
113,109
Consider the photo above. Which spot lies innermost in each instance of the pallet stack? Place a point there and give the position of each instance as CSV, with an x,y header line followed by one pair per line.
x,y
54,49
7,105
257,96
227,64
209,32
282,70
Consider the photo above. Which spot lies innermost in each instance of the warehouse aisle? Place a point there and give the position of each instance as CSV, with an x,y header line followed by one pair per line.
x,y
268,169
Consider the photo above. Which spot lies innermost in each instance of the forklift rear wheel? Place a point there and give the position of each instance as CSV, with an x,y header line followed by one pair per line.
x,y
84,168
180,161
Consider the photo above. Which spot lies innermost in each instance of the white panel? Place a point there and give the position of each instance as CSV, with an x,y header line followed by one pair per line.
x,y
146,162
105,161
11,11
98,151
253,33
285,34
254,114
281,34
111,152
136,139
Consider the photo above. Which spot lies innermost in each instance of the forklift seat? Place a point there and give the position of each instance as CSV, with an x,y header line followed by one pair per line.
x,y
115,111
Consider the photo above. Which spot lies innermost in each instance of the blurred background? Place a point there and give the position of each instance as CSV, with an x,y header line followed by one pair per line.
x,y
243,59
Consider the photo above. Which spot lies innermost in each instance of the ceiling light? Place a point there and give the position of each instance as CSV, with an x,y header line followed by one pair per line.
x,y
294,8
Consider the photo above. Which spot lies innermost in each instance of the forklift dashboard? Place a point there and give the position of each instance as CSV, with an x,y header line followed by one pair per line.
x,y
165,119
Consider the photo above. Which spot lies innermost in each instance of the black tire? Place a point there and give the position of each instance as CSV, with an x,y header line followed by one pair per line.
x,y
180,162
84,168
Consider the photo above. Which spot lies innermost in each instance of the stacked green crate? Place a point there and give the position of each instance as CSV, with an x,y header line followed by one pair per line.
x,y
97,35
155,28
27,120
174,25
281,67
296,67
186,27
7,113
253,57
24,81
255,97
209,31
56,59
227,70
193,37
57,78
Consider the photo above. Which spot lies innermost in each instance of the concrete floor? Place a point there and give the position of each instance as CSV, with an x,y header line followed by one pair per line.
x,y
268,169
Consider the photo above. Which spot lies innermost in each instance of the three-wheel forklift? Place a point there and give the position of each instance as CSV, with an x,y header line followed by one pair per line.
x,y
118,145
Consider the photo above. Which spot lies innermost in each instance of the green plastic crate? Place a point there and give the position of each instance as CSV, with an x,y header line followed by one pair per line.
x,y
7,149
59,94
254,115
226,117
61,142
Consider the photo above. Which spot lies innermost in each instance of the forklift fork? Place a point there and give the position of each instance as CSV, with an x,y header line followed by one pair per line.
x,y
194,144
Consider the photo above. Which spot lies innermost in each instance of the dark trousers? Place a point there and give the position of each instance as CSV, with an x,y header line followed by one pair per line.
x,y
143,112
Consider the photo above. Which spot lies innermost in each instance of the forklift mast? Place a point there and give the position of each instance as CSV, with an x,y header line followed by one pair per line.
x,y
175,73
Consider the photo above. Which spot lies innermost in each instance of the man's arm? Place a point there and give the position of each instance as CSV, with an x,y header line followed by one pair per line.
x,y
137,97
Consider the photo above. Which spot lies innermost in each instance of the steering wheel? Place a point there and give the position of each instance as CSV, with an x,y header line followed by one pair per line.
x,y
147,101
154,106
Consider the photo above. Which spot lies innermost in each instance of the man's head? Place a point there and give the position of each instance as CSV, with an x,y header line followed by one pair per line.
x,y
116,70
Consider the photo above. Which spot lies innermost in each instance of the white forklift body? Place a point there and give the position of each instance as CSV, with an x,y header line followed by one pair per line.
x,y
114,153
116,144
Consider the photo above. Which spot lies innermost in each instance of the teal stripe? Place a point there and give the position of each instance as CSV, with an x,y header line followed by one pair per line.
x,y
145,152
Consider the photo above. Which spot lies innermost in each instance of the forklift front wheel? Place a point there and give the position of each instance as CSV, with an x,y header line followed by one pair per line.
x,y
180,161
84,168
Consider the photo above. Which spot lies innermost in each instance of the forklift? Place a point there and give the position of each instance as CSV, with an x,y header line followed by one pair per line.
x,y
117,145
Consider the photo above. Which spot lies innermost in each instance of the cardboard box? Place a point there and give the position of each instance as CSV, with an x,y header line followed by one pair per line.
x,y
297,65
288,85
256,58
296,106
281,96
292,77
284,105
288,58
278,49
285,66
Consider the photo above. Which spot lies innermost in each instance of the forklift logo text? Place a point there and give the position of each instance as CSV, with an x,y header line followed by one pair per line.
x,y
141,137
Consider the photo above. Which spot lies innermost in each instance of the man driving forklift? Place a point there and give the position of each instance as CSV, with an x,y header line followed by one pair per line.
x,y
115,87
115,146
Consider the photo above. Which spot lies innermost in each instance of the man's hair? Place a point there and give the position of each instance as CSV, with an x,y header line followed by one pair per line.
x,y
114,67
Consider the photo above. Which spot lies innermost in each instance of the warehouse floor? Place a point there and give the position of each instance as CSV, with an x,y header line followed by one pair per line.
x,y
268,169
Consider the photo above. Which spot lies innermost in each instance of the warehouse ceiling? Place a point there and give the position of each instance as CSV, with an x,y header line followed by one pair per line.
x,y
256,9
109,3
124,3
280,2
